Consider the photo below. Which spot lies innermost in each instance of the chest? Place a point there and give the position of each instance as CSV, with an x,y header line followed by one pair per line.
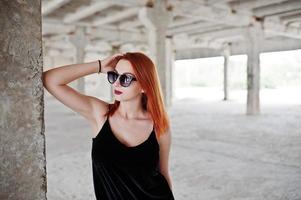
x,y
130,134
106,148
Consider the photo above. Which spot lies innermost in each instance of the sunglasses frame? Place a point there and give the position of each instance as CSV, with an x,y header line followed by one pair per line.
x,y
127,74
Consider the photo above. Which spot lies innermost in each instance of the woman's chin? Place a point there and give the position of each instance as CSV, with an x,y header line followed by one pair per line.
x,y
117,97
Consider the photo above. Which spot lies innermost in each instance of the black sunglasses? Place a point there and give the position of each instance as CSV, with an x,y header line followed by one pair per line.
x,y
125,79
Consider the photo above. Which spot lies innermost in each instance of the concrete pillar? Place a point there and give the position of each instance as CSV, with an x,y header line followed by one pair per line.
x,y
79,40
156,18
255,39
226,54
22,139
115,49
170,69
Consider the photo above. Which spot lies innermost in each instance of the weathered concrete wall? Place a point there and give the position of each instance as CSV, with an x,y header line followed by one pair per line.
x,y
22,140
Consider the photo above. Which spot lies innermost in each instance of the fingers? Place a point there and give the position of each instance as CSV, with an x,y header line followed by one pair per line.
x,y
114,60
118,55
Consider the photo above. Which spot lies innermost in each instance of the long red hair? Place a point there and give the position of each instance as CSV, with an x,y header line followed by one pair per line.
x,y
152,98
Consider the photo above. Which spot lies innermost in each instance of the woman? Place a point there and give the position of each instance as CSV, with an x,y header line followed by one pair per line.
x,y
131,138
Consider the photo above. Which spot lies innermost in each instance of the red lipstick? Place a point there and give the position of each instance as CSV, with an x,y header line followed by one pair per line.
x,y
117,92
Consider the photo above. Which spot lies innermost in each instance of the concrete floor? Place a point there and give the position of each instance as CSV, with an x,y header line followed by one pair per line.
x,y
217,153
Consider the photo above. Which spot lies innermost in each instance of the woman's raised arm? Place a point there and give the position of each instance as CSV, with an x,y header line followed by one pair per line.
x,y
56,80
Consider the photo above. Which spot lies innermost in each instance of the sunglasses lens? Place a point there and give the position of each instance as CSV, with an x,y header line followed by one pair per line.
x,y
125,80
112,77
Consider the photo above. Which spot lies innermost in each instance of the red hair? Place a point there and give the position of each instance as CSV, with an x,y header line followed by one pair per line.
x,y
152,98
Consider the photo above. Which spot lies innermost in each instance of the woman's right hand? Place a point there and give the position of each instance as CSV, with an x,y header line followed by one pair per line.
x,y
109,63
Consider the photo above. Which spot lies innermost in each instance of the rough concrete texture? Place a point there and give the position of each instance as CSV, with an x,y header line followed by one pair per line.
x,y
22,140
217,153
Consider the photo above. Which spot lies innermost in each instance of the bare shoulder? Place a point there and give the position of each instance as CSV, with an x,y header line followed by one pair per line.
x,y
165,138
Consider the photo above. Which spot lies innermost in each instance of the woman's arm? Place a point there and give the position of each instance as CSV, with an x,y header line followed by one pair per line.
x,y
56,80
165,143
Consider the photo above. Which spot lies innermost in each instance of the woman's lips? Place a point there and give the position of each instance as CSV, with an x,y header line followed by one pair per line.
x,y
117,92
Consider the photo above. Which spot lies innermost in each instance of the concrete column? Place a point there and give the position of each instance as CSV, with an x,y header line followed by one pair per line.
x,y
226,54
255,39
170,69
22,139
79,40
115,49
156,18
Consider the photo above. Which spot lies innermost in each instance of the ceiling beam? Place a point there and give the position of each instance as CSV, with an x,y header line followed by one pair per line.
x,y
217,34
52,5
115,35
291,18
127,3
214,2
277,8
116,17
221,16
199,27
183,41
86,11
59,45
130,24
185,21
250,4
278,29
239,48
211,14
218,16
56,28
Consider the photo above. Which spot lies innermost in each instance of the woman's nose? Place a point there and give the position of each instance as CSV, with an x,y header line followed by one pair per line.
x,y
117,83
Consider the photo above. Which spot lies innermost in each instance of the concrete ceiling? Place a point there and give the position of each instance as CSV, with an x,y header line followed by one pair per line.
x,y
200,28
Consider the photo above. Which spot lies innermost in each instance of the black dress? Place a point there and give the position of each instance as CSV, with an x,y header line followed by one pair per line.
x,y
127,173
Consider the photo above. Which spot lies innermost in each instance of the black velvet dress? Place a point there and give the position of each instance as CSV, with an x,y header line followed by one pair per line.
x,y
127,173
